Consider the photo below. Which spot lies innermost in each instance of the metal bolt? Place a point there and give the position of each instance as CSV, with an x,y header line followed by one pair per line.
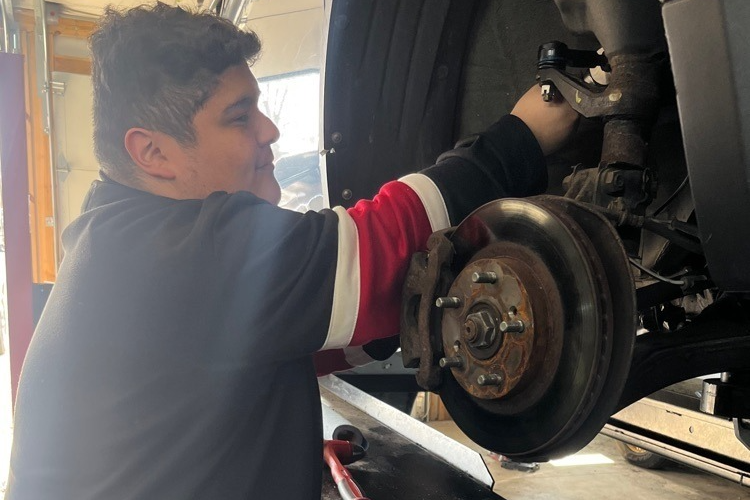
x,y
487,277
513,326
548,92
346,194
451,362
336,137
448,302
470,330
480,329
489,379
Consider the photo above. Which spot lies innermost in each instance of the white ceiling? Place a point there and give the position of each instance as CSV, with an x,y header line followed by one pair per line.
x,y
256,8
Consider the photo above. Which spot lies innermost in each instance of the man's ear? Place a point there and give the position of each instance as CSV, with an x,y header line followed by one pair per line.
x,y
148,153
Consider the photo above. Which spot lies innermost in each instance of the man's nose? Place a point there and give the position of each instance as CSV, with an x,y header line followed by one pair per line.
x,y
268,132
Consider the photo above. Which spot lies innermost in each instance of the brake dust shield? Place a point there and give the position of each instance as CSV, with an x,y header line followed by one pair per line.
x,y
523,319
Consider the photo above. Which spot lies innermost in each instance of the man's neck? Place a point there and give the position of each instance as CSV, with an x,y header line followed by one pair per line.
x,y
157,188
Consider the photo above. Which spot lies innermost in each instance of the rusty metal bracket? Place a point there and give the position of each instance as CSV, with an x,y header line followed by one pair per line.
x,y
625,188
429,276
628,105
632,92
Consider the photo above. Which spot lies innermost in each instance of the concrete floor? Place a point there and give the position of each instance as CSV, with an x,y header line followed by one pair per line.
x,y
604,476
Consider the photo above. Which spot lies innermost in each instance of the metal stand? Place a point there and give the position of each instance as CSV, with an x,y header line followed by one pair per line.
x,y
406,459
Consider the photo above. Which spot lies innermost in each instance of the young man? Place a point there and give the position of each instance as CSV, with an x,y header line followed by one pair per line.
x,y
174,358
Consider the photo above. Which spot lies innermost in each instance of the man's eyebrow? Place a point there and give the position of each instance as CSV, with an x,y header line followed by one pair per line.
x,y
242,104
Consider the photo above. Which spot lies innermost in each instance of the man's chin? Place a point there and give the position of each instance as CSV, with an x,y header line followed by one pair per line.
x,y
275,199
270,194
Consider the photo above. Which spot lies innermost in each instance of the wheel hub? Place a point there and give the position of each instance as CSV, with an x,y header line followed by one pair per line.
x,y
494,332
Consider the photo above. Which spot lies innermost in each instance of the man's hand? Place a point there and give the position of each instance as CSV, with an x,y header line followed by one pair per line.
x,y
550,122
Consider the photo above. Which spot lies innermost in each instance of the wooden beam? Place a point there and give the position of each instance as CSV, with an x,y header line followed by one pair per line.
x,y
69,64
25,19
74,28
40,183
41,212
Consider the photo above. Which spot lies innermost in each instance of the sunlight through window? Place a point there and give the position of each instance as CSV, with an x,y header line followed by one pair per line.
x,y
582,459
292,101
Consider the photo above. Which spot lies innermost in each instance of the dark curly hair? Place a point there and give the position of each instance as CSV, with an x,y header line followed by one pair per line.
x,y
155,67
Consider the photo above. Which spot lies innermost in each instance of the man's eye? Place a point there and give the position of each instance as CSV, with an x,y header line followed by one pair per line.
x,y
242,119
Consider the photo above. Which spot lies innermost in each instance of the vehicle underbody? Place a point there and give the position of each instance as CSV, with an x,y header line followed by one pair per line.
x,y
537,319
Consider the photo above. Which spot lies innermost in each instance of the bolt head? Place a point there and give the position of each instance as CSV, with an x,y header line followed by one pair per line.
x,y
471,330
547,93
480,329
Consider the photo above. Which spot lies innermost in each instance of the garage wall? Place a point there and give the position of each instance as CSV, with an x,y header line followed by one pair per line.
x,y
73,135
75,161
291,39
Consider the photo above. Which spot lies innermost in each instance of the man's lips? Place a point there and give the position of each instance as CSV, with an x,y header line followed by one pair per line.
x,y
265,166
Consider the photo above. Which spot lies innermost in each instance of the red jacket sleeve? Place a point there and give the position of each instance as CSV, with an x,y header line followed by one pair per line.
x,y
376,241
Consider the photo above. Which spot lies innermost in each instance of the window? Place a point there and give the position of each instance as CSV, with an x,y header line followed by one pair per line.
x,y
292,101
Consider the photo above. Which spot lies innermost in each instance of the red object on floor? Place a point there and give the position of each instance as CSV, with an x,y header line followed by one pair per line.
x,y
334,452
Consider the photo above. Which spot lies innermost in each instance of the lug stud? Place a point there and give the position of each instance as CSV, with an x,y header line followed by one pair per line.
x,y
489,379
513,326
485,277
451,362
448,302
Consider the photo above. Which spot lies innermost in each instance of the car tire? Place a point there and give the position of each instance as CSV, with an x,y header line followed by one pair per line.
x,y
640,457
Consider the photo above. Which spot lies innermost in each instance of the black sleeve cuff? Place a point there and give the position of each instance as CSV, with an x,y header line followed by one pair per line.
x,y
382,349
504,161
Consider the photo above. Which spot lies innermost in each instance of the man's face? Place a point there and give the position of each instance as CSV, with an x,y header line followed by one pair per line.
x,y
232,151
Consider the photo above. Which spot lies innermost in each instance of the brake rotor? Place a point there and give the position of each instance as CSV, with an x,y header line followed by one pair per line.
x,y
537,327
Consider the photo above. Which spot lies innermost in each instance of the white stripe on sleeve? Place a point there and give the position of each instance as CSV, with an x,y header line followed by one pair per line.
x,y
346,284
431,198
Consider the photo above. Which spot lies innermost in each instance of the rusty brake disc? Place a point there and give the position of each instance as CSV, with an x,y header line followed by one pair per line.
x,y
536,328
